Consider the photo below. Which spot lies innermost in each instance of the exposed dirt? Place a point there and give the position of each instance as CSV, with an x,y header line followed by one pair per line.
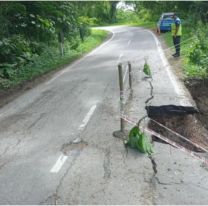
x,y
195,127
185,125
76,145
198,89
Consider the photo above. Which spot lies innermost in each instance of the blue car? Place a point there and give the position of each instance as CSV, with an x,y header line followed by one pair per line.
x,y
164,23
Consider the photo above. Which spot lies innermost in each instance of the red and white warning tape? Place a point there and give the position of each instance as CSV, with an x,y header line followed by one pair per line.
x,y
179,135
202,159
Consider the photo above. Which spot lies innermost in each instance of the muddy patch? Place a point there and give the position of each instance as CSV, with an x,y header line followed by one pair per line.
x,y
181,120
77,144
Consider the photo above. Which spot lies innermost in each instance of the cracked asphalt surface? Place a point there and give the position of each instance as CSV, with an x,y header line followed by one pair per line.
x,y
39,124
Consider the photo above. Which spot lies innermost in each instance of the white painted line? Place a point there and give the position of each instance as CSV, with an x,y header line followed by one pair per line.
x,y
59,163
129,42
78,61
61,160
87,117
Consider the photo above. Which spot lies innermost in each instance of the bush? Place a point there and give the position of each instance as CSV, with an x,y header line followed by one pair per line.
x,y
14,52
14,49
145,15
199,53
84,23
126,16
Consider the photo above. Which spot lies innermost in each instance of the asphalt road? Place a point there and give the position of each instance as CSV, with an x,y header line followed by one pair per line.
x,y
40,165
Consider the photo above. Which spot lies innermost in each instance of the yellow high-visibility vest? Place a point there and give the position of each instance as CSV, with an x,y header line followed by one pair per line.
x,y
173,29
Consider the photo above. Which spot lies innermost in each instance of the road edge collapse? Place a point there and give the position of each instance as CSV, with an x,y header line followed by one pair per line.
x,y
186,99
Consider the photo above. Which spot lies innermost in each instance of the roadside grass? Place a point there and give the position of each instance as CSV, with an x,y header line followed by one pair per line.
x,y
51,60
188,40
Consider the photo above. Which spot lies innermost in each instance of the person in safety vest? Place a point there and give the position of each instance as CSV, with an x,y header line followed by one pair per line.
x,y
176,30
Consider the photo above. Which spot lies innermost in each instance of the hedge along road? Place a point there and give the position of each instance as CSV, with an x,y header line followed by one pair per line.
x,y
40,164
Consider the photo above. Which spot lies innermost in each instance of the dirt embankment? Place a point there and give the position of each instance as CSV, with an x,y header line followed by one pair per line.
x,y
186,126
7,95
198,89
195,127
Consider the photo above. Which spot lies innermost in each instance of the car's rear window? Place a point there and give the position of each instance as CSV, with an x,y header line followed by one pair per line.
x,y
167,16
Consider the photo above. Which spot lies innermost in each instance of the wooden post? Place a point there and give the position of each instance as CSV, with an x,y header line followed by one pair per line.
x,y
130,76
61,42
121,86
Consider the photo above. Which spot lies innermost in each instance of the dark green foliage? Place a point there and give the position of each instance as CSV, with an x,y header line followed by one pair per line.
x,y
151,10
15,52
32,32
84,29
49,59
100,12
199,52
194,18
29,27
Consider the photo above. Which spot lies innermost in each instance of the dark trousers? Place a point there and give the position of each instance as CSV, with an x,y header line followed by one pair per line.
x,y
176,42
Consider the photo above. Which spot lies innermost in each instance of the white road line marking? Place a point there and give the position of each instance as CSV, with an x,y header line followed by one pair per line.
x,y
78,61
59,163
87,117
61,160
129,42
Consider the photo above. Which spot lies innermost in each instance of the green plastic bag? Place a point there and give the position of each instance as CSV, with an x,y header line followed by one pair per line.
x,y
146,69
138,140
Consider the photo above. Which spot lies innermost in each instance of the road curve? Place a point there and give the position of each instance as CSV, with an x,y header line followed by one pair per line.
x,y
40,165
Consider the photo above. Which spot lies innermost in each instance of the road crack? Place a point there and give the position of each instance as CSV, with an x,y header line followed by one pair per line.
x,y
154,179
106,164
151,96
46,201
151,92
153,162
55,197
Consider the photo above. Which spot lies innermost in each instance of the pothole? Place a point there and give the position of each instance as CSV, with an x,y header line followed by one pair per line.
x,y
180,120
77,144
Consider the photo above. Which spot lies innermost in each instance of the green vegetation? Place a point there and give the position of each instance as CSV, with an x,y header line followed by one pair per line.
x,y
38,36
146,69
50,59
194,47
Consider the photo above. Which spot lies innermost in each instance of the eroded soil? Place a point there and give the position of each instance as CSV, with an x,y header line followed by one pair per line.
x,y
187,126
194,127
199,91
